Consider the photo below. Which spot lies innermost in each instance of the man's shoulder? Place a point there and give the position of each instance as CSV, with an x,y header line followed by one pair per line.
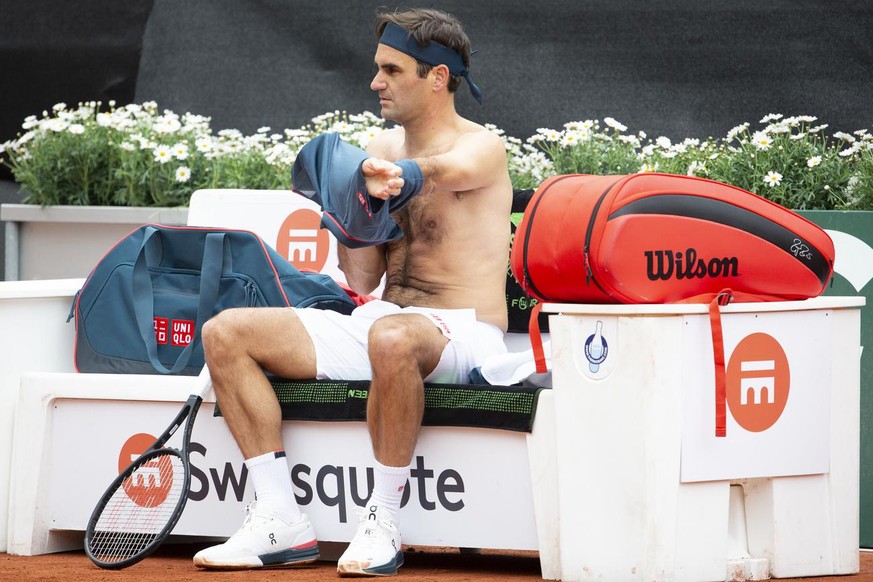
x,y
385,143
480,137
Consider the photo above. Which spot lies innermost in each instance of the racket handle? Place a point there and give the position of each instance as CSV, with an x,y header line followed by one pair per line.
x,y
204,383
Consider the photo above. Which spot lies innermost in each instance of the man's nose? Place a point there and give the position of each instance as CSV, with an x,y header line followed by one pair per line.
x,y
377,84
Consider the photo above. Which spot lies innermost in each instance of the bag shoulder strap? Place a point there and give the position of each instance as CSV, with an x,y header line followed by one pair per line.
x,y
143,296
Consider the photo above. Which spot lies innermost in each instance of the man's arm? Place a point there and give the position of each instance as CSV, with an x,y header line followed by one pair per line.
x,y
476,160
362,267
473,162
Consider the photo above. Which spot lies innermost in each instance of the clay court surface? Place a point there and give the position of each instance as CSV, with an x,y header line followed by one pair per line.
x,y
173,564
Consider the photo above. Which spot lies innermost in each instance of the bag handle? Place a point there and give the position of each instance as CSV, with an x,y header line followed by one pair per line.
x,y
717,300
536,339
143,296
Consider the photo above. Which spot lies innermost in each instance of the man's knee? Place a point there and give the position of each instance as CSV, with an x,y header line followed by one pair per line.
x,y
398,337
222,331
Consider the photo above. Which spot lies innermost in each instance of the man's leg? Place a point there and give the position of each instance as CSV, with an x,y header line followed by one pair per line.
x,y
403,349
239,345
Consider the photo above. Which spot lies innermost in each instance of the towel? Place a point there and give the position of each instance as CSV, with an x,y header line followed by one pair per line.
x,y
327,170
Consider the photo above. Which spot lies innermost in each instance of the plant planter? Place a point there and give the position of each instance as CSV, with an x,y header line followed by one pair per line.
x,y
58,242
852,231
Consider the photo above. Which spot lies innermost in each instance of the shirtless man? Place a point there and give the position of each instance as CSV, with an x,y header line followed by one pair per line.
x,y
442,312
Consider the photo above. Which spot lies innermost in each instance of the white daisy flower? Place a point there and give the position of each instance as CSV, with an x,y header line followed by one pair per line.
x,y
56,125
844,136
733,133
778,128
813,161
647,167
163,154
773,179
664,142
850,151
183,174
614,124
696,168
762,140
203,144
76,129
104,119
489,126
570,139
167,124
180,151
850,185
127,146
771,117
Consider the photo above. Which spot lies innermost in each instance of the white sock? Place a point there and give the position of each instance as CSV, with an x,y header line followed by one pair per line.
x,y
272,482
388,484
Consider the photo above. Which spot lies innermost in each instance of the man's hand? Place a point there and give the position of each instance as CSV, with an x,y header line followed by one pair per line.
x,y
382,178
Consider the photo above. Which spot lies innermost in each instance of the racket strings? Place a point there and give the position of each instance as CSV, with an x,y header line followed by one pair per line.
x,y
140,509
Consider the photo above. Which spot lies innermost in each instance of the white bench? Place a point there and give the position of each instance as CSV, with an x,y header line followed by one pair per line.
x,y
611,483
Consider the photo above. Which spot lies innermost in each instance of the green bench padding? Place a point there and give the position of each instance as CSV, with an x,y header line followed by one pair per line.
x,y
470,405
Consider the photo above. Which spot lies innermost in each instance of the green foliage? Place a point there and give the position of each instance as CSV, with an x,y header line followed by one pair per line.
x,y
787,160
136,155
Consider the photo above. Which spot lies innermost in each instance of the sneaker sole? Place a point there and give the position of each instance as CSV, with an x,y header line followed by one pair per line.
x,y
289,558
349,569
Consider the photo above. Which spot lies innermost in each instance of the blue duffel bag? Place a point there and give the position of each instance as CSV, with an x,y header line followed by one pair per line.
x,y
141,309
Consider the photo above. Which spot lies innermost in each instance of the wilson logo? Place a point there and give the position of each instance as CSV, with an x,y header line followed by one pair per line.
x,y
667,264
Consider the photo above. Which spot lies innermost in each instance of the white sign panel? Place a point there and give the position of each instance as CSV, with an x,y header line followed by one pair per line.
x,y
462,484
778,394
287,221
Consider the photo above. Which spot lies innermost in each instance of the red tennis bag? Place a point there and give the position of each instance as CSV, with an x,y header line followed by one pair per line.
x,y
661,238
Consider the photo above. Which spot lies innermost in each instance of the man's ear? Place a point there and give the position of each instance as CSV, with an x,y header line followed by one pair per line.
x,y
440,76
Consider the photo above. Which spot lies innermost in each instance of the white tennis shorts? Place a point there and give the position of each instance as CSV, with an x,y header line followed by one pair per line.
x,y
341,340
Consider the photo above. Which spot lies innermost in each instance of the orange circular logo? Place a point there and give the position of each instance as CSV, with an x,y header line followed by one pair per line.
x,y
150,484
757,382
302,241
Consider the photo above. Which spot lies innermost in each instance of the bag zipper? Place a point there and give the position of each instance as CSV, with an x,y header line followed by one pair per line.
x,y
251,295
589,275
527,279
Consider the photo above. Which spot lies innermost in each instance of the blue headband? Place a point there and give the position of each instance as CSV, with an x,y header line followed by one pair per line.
x,y
433,54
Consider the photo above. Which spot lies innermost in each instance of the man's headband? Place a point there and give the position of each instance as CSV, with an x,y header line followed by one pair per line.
x,y
433,54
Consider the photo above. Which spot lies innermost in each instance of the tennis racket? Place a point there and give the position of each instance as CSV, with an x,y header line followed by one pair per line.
x,y
142,505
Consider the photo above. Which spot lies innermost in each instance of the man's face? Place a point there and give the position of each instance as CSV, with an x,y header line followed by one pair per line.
x,y
400,89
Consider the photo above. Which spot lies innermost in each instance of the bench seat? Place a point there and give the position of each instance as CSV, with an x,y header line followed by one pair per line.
x,y
467,405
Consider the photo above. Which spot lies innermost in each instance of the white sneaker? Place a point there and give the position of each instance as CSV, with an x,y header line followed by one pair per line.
x,y
263,541
375,549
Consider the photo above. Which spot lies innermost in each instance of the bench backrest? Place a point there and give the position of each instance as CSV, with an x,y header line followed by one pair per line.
x,y
289,223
